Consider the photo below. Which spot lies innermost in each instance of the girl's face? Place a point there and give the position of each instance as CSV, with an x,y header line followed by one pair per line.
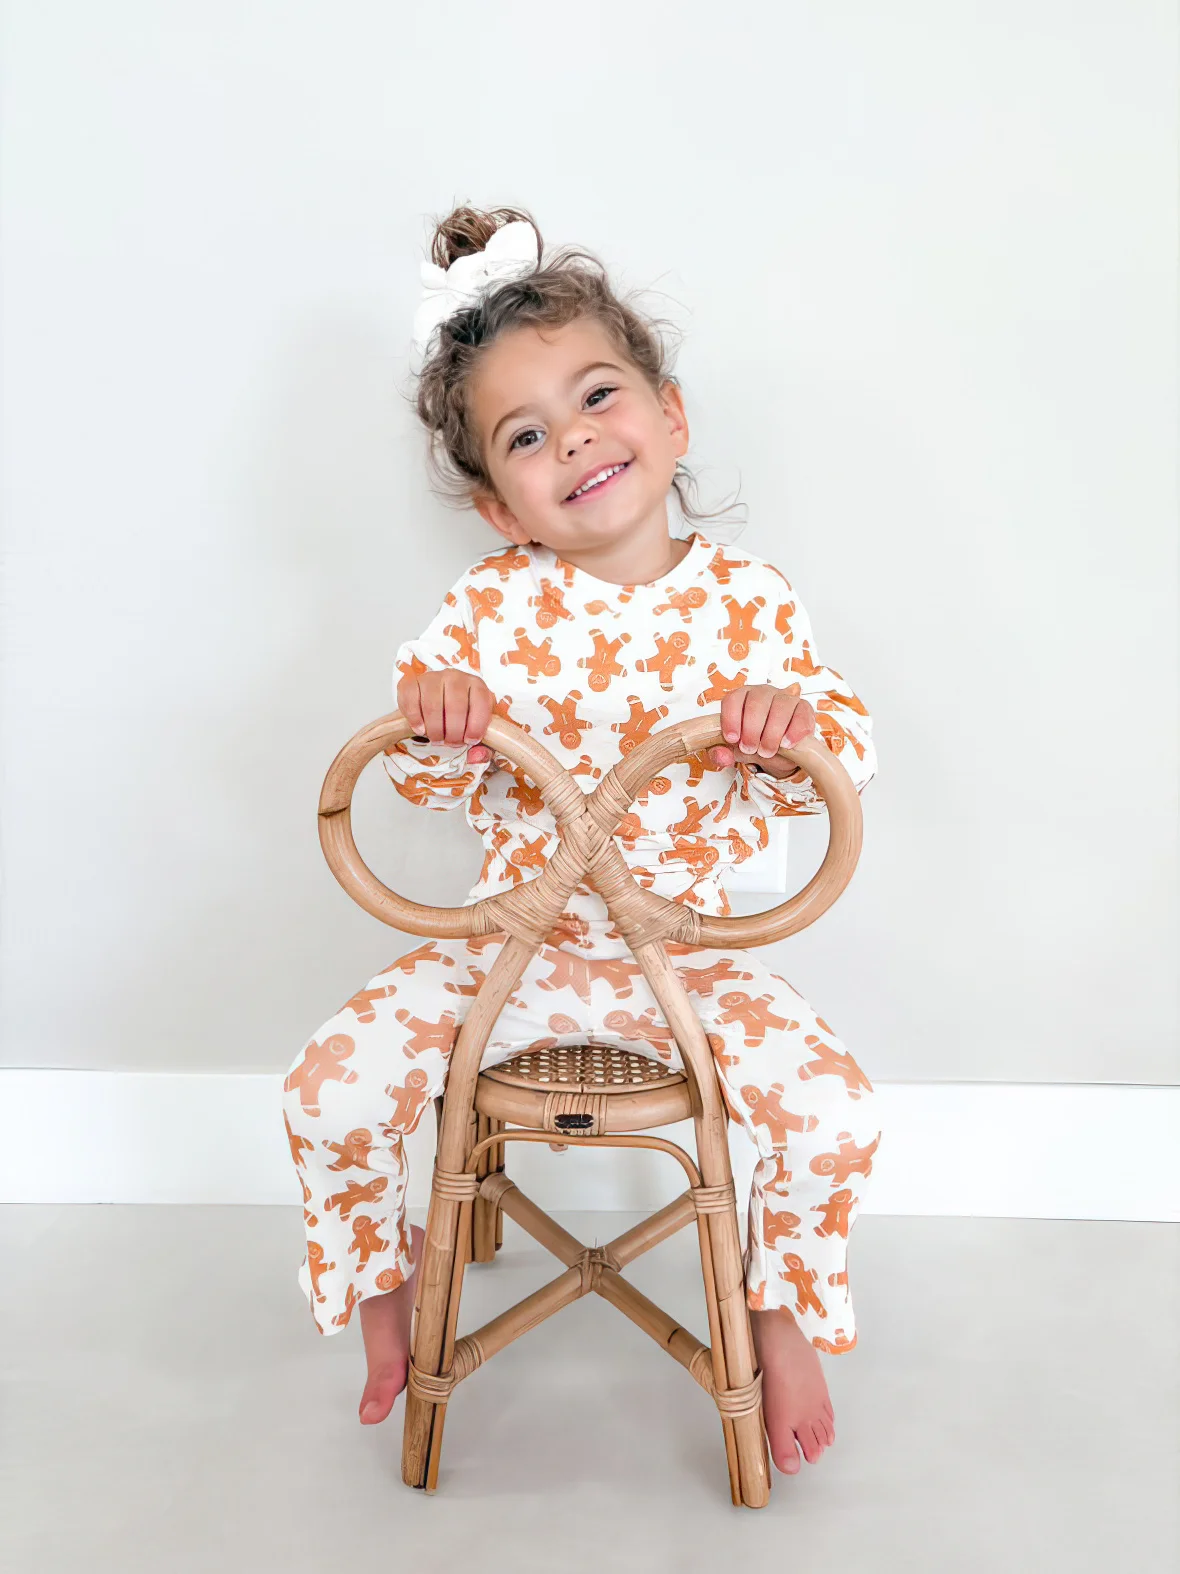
x,y
556,406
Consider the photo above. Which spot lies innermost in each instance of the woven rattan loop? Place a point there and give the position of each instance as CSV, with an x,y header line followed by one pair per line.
x,y
455,1185
435,1390
744,1401
714,1199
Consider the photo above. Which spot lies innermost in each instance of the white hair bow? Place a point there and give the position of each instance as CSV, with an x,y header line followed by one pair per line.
x,y
510,252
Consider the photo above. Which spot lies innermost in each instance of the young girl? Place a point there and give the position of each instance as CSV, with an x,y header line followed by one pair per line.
x,y
591,627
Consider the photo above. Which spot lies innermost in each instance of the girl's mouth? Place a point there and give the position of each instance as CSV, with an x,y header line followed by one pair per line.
x,y
602,486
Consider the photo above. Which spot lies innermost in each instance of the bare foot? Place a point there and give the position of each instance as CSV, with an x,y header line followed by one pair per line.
x,y
385,1329
794,1393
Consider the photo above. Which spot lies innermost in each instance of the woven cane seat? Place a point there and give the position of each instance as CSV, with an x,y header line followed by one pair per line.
x,y
583,1068
557,1086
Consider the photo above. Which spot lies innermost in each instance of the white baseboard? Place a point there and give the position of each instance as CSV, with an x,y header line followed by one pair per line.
x,y
1013,1150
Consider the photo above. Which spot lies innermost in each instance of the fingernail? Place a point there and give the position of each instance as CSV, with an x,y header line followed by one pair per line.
x,y
731,737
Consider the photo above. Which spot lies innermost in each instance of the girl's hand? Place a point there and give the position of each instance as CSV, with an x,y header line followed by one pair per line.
x,y
756,722
448,707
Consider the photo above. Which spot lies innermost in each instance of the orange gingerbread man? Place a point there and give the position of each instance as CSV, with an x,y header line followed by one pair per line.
x,y
803,1280
353,1152
538,660
720,685
670,652
321,1063
297,1144
408,964
741,631
365,1239
407,1100
602,663
567,725
828,1064
351,1297
354,1194
424,1035
686,602
850,1160
767,1109
835,1213
317,1267
638,726
755,1016
550,605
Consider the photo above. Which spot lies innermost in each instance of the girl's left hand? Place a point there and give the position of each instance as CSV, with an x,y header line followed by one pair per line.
x,y
755,722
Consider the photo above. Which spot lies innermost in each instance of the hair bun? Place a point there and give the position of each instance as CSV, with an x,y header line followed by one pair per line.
x,y
466,231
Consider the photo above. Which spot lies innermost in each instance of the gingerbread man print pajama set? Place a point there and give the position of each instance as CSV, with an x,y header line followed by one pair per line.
x,y
591,668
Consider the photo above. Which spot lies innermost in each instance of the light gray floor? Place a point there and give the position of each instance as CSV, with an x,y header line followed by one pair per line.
x,y
1012,1405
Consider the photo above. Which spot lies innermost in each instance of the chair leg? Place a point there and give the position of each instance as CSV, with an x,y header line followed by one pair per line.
x,y
734,1362
448,1245
422,1432
446,1249
746,1448
487,1223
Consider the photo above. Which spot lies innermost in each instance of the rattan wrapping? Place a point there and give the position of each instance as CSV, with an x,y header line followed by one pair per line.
x,y
713,1199
741,1401
458,1185
435,1389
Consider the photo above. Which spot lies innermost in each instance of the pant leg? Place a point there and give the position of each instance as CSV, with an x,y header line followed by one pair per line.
x,y
360,1085
812,1113
800,1097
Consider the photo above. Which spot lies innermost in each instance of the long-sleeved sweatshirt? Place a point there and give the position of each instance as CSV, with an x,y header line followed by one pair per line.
x,y
592,668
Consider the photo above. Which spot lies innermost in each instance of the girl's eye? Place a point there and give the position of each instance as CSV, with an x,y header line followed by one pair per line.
x,y
605,389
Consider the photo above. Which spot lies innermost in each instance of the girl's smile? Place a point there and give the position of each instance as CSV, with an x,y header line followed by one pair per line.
x,y
601,486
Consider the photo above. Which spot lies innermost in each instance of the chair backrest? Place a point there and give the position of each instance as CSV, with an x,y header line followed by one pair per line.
x,y
586,824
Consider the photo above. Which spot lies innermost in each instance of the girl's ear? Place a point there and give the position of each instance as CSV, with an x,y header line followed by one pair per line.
x,y
673,403
502,519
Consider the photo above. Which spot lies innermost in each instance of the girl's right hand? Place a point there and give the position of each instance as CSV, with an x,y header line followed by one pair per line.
x,y
448,707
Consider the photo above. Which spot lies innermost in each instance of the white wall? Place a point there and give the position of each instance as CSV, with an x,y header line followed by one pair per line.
x,y
926,257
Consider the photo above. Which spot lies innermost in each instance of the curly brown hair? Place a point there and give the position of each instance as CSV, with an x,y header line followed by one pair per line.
x,y
570,284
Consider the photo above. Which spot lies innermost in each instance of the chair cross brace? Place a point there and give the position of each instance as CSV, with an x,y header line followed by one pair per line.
x,y
592,1268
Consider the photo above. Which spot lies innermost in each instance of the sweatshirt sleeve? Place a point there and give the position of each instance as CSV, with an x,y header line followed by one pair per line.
x,y
438,775
842,721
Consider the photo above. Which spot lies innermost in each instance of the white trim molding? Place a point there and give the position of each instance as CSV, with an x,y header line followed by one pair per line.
x,y
1015,1150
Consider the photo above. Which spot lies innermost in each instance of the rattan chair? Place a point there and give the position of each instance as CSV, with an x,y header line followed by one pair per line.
x,y
588,1095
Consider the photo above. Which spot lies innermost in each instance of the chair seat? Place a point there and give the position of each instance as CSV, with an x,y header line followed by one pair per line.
x,y
584,1089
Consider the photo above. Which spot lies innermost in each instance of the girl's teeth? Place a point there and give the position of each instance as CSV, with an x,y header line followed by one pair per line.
x,y
598,480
